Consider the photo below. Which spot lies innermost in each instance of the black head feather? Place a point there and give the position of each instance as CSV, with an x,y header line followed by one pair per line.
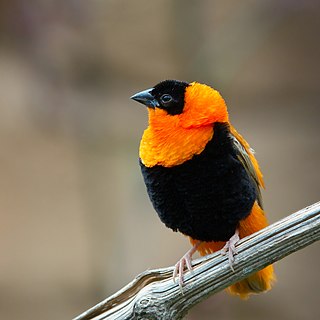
x,y
170,95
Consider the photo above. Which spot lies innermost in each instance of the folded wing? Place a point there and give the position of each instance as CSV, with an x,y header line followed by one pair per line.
x,y
249,162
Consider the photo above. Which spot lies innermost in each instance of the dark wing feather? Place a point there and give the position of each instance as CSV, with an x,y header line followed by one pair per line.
x,y
244,158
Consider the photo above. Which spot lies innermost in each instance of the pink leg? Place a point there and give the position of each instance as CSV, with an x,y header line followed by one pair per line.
x,y
230,247
185,261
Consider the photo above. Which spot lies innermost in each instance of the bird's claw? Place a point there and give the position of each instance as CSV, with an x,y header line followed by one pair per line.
x,y
180,266
230,247
185,261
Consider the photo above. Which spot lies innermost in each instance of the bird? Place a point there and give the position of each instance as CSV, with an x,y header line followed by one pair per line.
x,y
201,175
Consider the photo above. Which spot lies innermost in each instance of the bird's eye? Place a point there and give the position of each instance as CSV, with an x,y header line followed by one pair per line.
x,y
165,98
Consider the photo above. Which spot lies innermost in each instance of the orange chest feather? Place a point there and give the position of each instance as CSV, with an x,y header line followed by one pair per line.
x,y
172,145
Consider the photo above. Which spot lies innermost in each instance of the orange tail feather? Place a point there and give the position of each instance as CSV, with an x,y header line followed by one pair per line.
x,y
258,282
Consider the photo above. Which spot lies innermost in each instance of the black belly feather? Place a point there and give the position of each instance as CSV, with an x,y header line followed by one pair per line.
x,y
205,197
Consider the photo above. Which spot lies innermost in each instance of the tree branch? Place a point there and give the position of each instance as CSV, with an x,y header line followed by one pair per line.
x,y
153,294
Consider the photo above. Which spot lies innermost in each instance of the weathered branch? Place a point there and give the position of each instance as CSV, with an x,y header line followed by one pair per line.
x,y
153,294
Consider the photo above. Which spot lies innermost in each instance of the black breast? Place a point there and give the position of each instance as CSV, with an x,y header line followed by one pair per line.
x,y
205,197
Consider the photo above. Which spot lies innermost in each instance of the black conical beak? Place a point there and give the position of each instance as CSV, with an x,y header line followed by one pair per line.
x,y
145,97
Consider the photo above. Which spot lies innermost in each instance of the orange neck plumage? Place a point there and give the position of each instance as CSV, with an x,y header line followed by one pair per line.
x,y
167,144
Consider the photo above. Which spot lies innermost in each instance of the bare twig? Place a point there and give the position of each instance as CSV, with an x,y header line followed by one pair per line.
x,y
153,294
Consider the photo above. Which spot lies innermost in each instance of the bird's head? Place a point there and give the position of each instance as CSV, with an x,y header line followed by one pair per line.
x,y
190,105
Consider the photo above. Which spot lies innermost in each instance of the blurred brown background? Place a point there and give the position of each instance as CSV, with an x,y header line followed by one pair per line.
x,y
76,223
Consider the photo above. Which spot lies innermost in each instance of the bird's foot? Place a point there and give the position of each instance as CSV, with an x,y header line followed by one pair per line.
x,y
185,261
230,247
